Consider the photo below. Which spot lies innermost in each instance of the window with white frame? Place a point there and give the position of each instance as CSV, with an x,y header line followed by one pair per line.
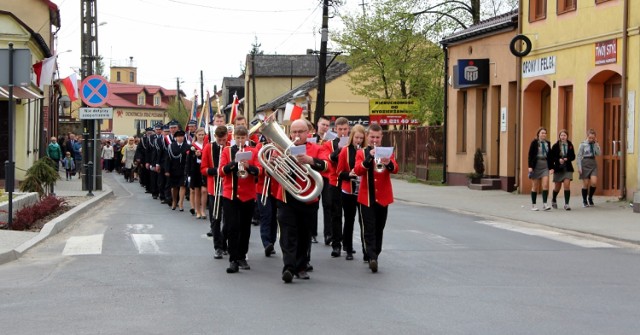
x,y
141,99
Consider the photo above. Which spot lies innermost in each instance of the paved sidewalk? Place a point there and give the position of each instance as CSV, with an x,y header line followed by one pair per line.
x,y
609,218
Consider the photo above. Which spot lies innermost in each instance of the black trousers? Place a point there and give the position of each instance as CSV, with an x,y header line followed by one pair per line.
x,y
349,206
153,182
326,210
372,222
219,240
336,216
160,182
237,226
295,233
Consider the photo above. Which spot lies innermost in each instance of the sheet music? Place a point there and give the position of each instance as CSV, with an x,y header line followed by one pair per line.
x,y
328,136
243,156
312,140
298,150
344,140
383,152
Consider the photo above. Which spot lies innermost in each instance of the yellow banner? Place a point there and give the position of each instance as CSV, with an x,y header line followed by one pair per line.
x,y
393,106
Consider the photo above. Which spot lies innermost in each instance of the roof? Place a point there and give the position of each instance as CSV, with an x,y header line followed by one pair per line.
x,y
54,13
233,82
284,65
497,23
334,71
121,95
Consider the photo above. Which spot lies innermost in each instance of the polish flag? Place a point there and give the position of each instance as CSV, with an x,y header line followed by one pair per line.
x,y
292,112
71,85
44,71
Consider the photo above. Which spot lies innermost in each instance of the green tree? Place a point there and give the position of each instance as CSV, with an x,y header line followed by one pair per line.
x,y
459,14
177,112
392,57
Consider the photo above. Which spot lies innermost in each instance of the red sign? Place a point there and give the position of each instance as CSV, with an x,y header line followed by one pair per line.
x,y
394,120
607,52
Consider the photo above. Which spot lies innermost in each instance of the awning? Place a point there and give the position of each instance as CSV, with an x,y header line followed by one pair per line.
x,y
19,93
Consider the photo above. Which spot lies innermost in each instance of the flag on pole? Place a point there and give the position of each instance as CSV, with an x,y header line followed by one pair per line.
x,y
292,112
71,85
234,108
44,71
202,119
210,109
194,108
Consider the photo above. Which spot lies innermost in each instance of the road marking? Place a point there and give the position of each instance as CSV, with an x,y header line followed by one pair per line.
x,y
147,243
552,235
138,228
439,239
83,245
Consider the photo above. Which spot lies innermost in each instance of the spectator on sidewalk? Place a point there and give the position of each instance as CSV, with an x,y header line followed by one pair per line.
x,y
588,167
107,156
540,167
128,159
562,154
54,152
77,154
69,165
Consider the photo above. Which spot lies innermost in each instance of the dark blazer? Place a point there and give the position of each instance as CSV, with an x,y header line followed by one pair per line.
x,y
555,156
533,154
176,159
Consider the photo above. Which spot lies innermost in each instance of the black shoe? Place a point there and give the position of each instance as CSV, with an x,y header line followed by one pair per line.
x,y
225,252
210,233
313,239
255,222
233,267
217,254
327,240
287,276
192,211
591,204
154,197
309,267
302,275
336,252
349,256
268,250
373,265
244,265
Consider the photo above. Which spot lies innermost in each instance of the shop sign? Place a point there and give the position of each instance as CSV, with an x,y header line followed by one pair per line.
x,y
353,119
393,111
607,52
538,66
471,72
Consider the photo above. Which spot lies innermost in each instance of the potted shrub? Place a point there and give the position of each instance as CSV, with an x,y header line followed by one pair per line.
x,y
478,167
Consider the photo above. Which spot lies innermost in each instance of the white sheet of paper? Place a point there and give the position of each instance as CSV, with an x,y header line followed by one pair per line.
x,y
312,140
330,136
298,150
243,156
232,143
383,152
344,140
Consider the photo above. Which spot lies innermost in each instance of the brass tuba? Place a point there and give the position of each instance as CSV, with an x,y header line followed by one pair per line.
x,y
296,178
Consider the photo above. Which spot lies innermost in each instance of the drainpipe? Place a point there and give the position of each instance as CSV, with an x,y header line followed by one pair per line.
x,y
445,120
625,69
518,103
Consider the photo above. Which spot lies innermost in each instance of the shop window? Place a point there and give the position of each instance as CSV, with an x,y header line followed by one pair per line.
x,y
140,124
537,10
565,6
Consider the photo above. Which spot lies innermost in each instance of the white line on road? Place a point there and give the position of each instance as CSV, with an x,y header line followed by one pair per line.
x,y
439,239
147,243
552,235
83,245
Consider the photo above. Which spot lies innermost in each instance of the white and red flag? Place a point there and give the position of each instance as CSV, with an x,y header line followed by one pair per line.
x,y
44,70
71,85
292,112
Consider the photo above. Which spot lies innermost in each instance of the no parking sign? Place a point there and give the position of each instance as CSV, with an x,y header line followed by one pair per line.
x,y
94,90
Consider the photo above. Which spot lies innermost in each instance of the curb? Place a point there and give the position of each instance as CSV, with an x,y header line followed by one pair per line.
x,y
53,227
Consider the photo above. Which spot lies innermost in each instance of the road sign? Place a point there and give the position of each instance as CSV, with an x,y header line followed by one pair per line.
x,y
94,91
96,113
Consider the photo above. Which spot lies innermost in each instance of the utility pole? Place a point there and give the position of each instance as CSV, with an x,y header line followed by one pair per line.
x,y
322,74
201,88
89,61
364,13
178,95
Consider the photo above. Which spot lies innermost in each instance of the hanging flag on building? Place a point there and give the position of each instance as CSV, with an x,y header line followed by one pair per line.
x,y
44,71
292,112
234,108
71,85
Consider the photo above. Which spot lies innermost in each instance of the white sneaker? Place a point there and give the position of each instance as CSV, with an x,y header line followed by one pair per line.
x,y
546,207
534,208
567,208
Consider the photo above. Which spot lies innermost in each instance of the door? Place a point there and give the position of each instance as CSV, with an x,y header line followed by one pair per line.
x,y
611,138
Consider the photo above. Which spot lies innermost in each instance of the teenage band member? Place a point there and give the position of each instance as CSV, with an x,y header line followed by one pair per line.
x,y
350,183
295,217
266,189
562,154
197,182
588,168
540,166
209,167
175,169
238,198
323,125
375,194
333,149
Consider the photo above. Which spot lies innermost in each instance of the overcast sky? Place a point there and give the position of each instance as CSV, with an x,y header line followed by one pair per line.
x,y
178,38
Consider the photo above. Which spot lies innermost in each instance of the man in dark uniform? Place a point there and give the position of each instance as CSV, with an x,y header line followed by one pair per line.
x,y
162,143
295,217
153,160
142,156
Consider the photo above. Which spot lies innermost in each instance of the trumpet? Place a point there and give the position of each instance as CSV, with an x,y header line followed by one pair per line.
x,y
379,166
242,173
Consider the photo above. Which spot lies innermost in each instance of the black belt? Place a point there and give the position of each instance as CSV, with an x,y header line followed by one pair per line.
x,y
590,157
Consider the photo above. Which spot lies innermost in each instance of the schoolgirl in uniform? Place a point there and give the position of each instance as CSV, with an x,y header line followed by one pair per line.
x,y
562,154
539,168
588,167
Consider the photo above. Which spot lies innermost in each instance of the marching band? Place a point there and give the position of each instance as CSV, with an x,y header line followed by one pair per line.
x,y
234,172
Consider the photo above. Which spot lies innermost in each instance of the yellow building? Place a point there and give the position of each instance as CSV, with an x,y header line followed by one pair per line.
x,y
574,79
28,25
481,101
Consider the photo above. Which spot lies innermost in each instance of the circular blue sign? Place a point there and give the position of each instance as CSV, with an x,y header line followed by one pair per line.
x,y
94,91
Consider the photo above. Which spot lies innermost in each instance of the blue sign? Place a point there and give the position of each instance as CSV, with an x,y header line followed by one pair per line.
x,y
471,72
94,91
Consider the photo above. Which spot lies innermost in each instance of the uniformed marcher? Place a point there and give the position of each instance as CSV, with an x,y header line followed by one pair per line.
x,y
209,167
175,165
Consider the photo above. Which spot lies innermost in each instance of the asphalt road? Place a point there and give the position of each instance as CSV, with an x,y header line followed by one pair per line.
x,y
134,266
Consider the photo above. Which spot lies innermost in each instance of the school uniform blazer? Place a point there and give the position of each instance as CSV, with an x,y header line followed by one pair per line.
x,y
332,149
533,154
234,188
374,186
556,153
209,165
320,163
346,162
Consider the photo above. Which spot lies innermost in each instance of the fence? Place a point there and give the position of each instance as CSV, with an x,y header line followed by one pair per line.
x,y
419,152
